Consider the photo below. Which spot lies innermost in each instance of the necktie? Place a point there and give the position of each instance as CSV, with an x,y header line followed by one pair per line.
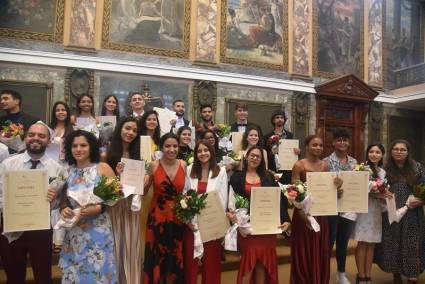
x,y
34,164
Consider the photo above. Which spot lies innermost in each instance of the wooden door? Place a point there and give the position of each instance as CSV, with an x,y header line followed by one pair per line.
x,y
343,102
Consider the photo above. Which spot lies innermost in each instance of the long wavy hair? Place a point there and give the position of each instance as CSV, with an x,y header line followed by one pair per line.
x,y
394,173
261,169
67,122
143,130
116,111
374,167
91,140
245,137
196,171
115,151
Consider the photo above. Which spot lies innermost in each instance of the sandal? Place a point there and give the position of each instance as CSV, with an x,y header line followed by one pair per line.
x,y
57,249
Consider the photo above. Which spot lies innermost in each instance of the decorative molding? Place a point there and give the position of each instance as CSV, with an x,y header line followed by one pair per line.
x,y
376,119
139,48
56,36
149,69
78,82
204,92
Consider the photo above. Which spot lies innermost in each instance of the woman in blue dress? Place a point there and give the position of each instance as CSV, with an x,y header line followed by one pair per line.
x,y
87,255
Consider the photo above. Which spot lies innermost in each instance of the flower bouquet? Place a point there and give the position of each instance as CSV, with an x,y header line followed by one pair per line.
x,y
230,158
189,158
187,206
223,132
12,135
109,190
362,167
379,185
241,224
273,144
299,195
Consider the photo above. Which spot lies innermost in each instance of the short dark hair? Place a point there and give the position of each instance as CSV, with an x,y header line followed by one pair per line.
x,y
178,101
169,135
340,132
15,95
241,105
276,113
93,144
205,106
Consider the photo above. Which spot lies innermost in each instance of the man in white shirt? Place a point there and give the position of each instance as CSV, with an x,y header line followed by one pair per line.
x,y
137,105
14,247
179,108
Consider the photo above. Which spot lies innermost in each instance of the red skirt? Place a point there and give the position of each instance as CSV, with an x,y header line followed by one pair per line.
x,y
211,260
258,248
310,254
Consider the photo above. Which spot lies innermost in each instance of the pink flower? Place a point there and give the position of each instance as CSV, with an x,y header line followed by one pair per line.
x,y
292,193
379,182
374,185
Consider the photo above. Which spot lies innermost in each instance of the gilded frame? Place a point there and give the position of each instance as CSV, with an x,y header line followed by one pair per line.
x,y
325,74
251,63
49,92
138,48
56,36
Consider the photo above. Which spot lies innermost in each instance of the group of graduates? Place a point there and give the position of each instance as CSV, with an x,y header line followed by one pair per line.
x,y
141,240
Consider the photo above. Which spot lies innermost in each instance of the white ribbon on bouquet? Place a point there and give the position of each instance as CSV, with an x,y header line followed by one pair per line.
x,y
242,225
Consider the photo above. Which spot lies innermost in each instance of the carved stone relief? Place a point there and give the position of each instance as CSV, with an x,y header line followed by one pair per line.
x,y
204,92
78,82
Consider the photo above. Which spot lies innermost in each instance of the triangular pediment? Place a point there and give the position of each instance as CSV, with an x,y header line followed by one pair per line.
x,y
348,87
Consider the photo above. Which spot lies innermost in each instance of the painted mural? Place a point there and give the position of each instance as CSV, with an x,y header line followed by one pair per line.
x,y
403,36
83,18
375,43
339,36
302,42
252,32
147,24
206,31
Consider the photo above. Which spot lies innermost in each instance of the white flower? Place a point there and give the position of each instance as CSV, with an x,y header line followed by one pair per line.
x,y
183,204
300,187
190,161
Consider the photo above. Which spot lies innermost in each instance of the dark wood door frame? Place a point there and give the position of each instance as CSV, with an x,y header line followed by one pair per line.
x,y
344,102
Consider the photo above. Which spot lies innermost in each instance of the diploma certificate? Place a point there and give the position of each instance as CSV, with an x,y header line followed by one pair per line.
x,y
237,141
133,176
323,192
146,148
356,192
212,220
265,210
25,205
164,118
287,157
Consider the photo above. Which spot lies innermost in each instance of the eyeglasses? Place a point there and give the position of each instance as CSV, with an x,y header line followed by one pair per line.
x,y
254,157
401,150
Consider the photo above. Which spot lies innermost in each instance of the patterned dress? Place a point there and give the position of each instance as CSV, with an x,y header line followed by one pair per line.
x,y
402,249
164,234
87,255
368,227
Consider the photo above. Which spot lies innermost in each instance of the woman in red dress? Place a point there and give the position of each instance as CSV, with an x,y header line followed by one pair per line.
x,y
164,234
258,252
205,176
310,254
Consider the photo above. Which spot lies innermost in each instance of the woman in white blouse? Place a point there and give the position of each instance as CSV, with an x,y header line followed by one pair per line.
x,y
205,176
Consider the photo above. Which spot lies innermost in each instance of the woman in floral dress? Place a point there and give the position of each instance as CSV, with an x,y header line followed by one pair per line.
x,y
88,252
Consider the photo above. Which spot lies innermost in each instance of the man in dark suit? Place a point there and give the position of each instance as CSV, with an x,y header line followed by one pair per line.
x,y
241,115
206,112
278,120
10,102
179,108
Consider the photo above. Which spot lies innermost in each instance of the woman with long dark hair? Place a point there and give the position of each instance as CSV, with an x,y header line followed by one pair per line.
x,y
60,119
402,250
85,109
125,222
252,138
88,254
185,137
149,125
368,227
163,262
212,138
258,252
111,107
205,176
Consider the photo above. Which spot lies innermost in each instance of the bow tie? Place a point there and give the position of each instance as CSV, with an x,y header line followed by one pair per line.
x,y
242,124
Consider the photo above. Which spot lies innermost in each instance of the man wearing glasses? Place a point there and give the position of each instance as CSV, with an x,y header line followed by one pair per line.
x,y
340,226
